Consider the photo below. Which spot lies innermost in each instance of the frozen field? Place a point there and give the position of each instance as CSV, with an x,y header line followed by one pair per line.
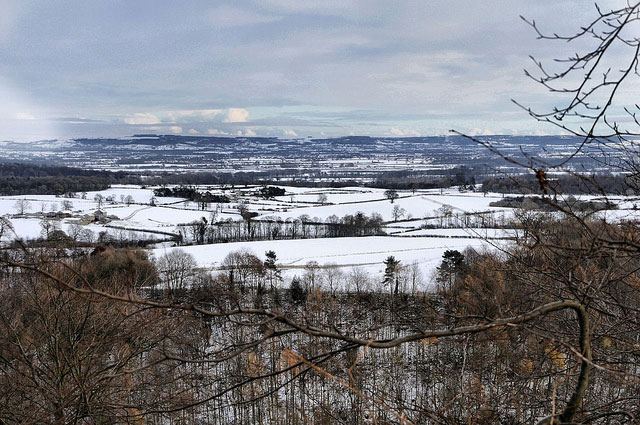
x,y
169,213
334,196
82,208
414,205
457,233
367,253
413,240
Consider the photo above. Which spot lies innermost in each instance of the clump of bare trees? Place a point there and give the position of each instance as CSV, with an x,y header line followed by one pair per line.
x,y
225,348
67,357
304,227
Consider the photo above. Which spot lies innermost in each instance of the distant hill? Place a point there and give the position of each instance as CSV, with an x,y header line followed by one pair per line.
x,y
346,158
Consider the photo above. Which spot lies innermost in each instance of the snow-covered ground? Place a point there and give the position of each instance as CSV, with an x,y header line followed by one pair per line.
x,y
414,205
81,208
458,233
161,218
26,228
413,239
333,196
367,253
46,203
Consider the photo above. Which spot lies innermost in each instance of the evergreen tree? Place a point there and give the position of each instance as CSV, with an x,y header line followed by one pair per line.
x,y
391,273
296,291
452,264
271,268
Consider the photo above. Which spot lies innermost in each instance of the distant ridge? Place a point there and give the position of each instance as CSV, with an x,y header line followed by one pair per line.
x,y
353,157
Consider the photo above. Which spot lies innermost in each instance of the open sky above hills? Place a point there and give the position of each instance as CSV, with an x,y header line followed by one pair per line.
x,y
283,68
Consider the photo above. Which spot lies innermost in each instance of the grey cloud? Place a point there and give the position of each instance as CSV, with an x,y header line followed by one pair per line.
x,y
334,66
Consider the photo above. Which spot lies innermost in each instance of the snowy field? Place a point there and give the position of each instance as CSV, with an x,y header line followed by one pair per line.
x,y
420,204
366,253
169,213
458,233
123,204
133,213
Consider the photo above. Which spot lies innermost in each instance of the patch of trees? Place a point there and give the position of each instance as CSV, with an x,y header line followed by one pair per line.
x,y
268,192
304,227
77,236
544,204
462,177
445,217
241,178
566,184
29,179
67,357
399,180
51,185
192,194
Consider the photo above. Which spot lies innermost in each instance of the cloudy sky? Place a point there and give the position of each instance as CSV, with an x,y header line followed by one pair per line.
x,y
72,68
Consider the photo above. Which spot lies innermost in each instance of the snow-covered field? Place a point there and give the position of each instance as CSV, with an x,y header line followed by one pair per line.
x,y
367,253
168,213
158,218
80,210
130,215
420,204
458,233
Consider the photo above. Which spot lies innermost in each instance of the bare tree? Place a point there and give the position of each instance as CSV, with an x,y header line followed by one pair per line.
x,y
323,198
99,200
5,226
414,276
311,278
47,227
243,268
358,280
74,231
391,195
332,277
22,206
398,212
177,269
